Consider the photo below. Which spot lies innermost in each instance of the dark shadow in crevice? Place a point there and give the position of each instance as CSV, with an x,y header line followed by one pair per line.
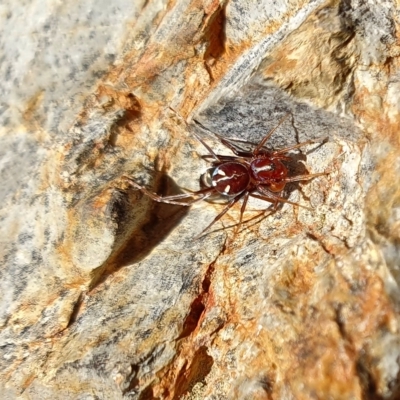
x,y
196,372
367,382
370,385
192,319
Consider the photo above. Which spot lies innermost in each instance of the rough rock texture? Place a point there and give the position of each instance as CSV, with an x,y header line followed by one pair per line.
x,y
106,294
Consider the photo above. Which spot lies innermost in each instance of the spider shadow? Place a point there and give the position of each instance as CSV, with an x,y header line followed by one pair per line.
x,y
162,219
139,233
296,166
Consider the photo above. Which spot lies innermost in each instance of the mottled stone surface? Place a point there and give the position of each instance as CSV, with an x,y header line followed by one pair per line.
x,y
106,294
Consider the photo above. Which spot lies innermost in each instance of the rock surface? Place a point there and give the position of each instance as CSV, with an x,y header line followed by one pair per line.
x,y
106,294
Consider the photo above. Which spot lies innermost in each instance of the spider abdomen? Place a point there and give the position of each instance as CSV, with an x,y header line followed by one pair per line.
x,y
230,178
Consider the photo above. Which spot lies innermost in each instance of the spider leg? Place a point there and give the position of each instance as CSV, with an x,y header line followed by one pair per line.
x,y
304,177
268,135
257,218
195,196
233,149
221,214
242,209
225,142
224,159
212,154
267,195
296,146
277,152
232,139
260,214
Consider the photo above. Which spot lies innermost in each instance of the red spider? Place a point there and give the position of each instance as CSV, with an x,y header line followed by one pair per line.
x,y
260,173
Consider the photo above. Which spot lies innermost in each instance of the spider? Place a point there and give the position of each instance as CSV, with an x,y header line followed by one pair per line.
x,y
260,173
